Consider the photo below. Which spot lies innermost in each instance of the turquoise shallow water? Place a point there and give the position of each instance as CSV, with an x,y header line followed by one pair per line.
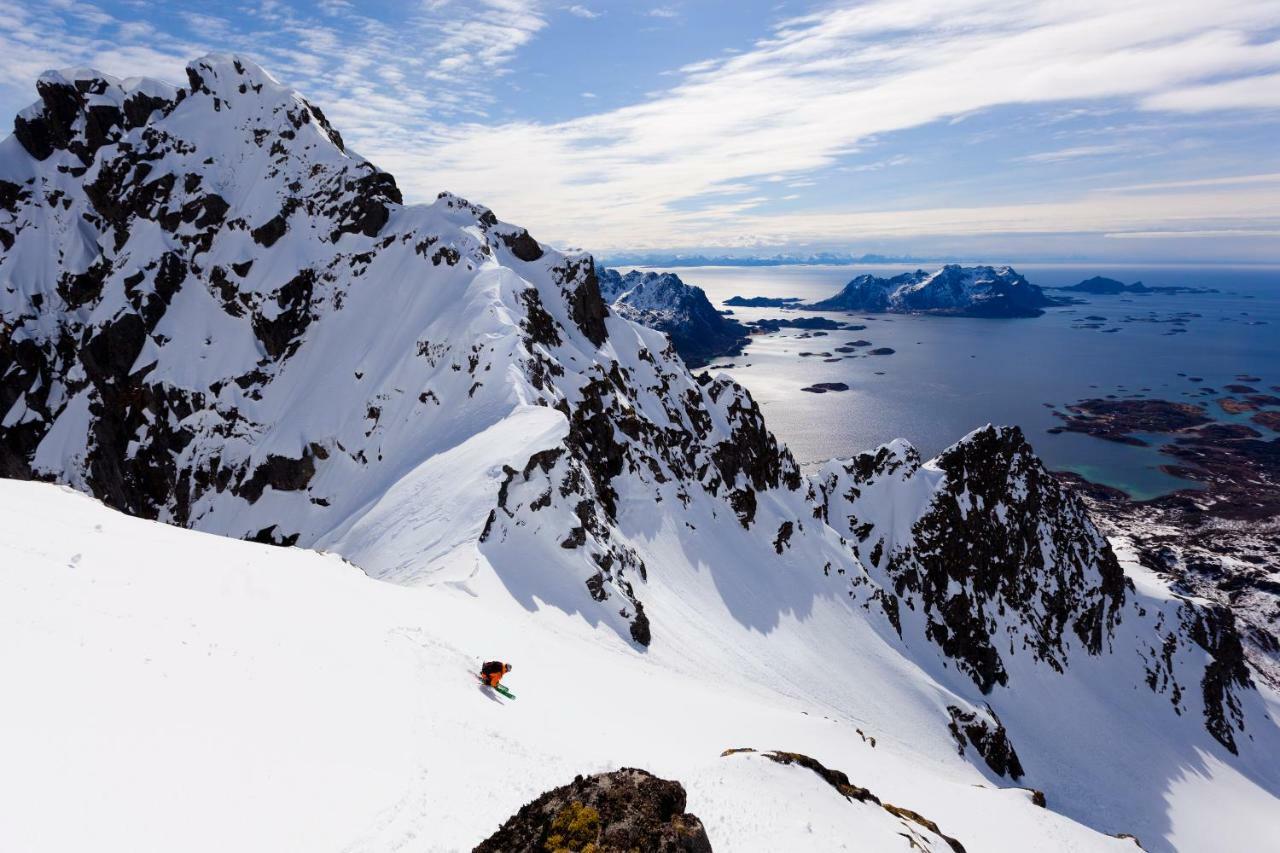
x,y
951,375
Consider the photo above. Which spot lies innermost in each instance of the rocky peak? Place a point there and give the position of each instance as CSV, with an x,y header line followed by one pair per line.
x,y
982,291
214,314
662,301
986,544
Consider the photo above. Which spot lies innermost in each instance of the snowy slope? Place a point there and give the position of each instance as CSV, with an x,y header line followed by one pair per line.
x,y
213,314
183,691
980,291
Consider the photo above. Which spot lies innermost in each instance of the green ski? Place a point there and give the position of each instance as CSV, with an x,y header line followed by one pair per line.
x,y
504,691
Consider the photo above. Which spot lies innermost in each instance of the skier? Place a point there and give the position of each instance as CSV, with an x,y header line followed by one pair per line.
x,y
492,671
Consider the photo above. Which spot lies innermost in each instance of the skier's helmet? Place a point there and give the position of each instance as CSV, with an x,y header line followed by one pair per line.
x,y
506,667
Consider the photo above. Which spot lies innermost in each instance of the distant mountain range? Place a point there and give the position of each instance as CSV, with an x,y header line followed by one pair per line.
x,y
658,259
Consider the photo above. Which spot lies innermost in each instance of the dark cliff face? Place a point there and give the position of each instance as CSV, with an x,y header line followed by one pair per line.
x,y
133,178
662,301
1003,563
1060,577
1000,545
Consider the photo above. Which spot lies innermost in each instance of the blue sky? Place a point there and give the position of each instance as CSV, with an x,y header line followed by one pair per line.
x,y
1144,130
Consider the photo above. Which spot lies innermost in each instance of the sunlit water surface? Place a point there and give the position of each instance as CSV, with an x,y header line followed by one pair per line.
x,y
950,375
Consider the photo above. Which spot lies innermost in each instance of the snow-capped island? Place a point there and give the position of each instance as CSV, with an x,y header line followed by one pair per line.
x,y
952,290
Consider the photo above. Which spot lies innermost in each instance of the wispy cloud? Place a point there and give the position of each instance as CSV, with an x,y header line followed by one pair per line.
x,y
1231,180
679,166
1259,92
821,85
1061,154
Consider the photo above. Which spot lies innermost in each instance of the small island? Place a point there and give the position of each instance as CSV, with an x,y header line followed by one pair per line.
x,y
762,301
1103,286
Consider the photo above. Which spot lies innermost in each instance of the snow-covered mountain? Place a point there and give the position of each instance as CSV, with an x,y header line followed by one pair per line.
x,y
214,314
967,291
662,301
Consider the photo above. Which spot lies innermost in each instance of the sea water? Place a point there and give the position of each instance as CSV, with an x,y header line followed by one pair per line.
x,y
950,375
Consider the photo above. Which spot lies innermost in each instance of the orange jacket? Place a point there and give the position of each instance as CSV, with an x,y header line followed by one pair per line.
x,y
491,673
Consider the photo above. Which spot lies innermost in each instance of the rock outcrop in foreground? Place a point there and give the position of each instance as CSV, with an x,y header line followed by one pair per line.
x,y
616,812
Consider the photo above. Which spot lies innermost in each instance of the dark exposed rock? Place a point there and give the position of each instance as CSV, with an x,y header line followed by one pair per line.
x,y
78,289
139,107
835,778
1117,420
280,473
539,326
988,738
1001,549
10,195
585,303
662,301
207,211
990,559
112,352
365,207
838,780
273,229
784,536
294,302
272,536
522,245
640,626
1214,630
1270,420
618,812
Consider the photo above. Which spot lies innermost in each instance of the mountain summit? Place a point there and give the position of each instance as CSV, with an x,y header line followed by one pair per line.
x,y
214,314
966,291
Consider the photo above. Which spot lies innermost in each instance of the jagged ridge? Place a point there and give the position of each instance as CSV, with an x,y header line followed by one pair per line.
x,y
216,315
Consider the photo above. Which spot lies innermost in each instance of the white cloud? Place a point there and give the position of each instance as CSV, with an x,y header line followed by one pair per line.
x,y
582,11
815,90
1075,153
895,160
675,167
1182,235
1260,92
1232,180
